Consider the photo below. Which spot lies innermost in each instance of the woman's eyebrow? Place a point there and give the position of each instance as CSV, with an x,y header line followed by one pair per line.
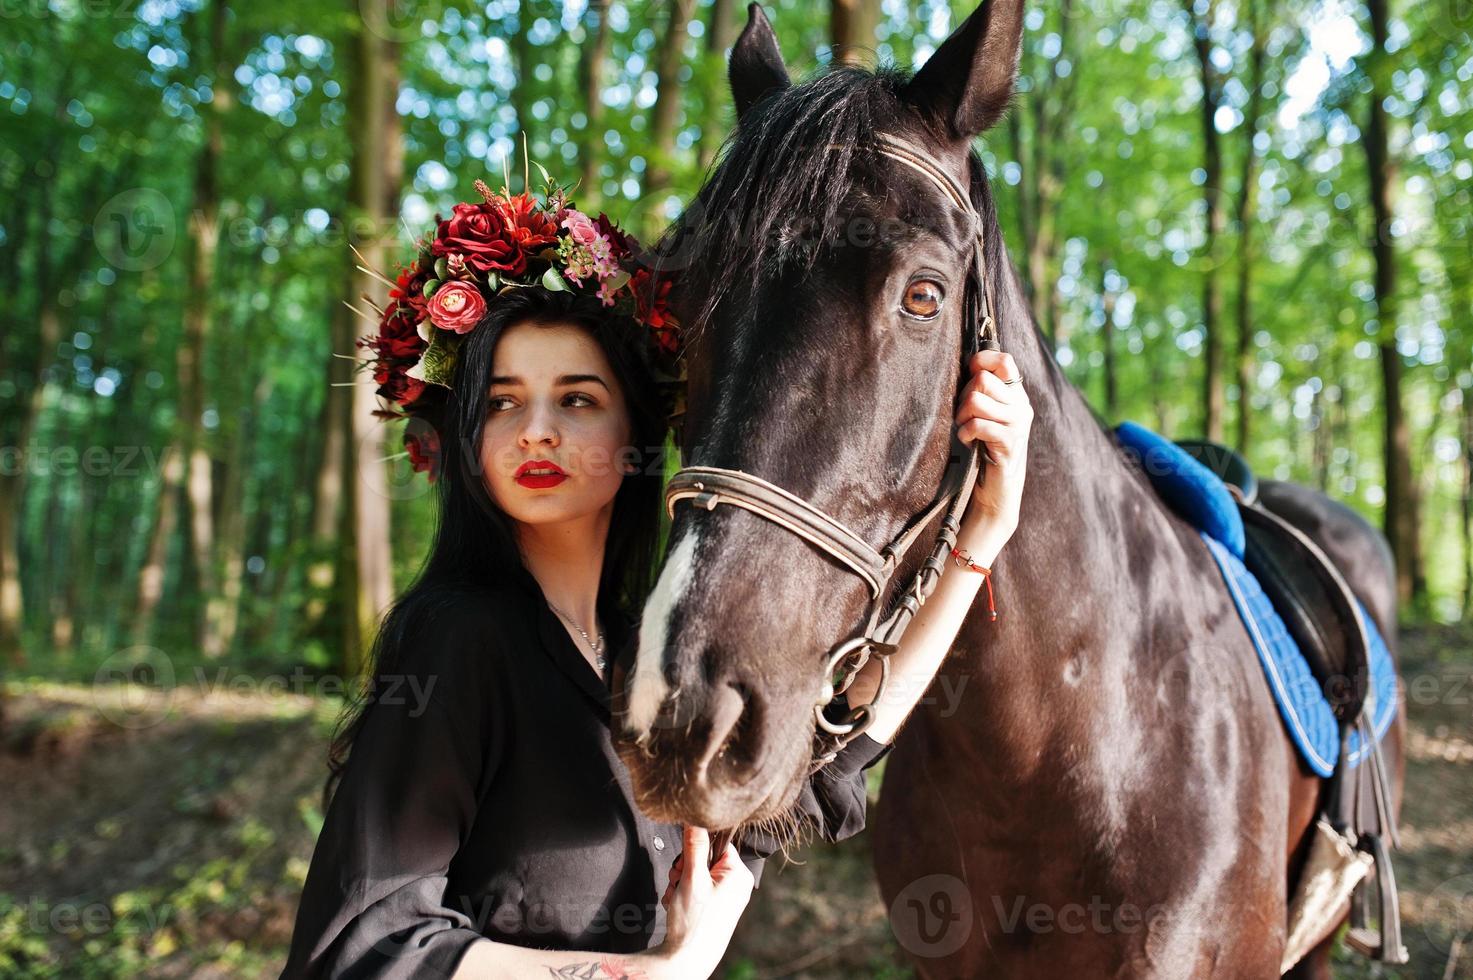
x,y
565,379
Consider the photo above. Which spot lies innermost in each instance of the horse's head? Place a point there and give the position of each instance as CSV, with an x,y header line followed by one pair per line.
x,y
823,296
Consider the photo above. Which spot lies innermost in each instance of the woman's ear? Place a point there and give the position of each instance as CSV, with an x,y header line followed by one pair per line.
x,y
757,66
967,84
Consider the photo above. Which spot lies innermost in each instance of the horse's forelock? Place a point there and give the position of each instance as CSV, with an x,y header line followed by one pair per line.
x,y
791,158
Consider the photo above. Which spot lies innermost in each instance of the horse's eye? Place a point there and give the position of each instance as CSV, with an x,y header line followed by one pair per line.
x,y
923,298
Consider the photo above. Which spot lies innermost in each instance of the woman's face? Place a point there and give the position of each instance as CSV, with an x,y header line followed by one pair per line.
x,y
556,441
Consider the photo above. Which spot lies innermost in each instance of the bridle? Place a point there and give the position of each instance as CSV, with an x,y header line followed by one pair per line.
x,y
708,486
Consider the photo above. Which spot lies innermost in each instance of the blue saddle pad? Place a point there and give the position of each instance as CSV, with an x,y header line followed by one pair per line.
x,y
1203,500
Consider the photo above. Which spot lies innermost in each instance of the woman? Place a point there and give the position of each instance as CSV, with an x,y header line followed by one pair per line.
x,y
482,825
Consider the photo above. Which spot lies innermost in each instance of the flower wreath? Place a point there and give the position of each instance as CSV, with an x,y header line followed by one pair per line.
x,y
486,249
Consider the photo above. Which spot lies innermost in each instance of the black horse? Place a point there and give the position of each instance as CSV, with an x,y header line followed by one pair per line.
x,y
1116,795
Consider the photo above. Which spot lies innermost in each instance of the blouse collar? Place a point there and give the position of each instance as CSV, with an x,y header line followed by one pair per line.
x,y
619,633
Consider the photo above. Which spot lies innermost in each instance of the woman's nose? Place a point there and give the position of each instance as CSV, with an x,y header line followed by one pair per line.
x,y
539,426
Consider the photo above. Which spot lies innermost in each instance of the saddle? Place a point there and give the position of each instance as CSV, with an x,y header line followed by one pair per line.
x,y
1308,592
1337,642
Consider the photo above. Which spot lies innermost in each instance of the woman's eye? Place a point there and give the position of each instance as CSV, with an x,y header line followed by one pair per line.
x,y
923,298
497,402
579,400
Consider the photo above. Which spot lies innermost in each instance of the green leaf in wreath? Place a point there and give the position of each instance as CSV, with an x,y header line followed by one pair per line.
x,y
437,364
553,280
442,268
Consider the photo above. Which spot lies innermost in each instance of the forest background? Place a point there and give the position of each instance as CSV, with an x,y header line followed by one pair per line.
x,y
1239,218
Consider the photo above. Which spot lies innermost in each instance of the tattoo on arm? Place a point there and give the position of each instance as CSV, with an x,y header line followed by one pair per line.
x,y
609,967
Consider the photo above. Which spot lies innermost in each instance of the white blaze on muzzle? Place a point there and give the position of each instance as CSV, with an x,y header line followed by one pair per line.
x,y
648,689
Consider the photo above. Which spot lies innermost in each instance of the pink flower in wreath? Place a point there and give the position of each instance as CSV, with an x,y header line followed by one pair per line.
x,y
457,306
581,228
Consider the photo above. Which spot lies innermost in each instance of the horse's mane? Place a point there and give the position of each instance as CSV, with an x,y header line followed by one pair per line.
x,y
785,161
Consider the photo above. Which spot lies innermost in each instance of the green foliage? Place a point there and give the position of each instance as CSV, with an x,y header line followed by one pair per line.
x,y
103,120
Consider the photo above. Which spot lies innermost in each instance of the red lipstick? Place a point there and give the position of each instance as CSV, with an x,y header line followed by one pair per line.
x,y
539,474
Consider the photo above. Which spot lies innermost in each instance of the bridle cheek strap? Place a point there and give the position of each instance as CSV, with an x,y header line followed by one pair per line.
x,y
707,486
710,486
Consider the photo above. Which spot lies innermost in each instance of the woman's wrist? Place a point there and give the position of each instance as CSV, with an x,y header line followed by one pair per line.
x,y
662,962
982,537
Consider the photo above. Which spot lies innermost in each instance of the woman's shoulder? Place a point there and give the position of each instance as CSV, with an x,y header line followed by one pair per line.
x,y
469,627
475,605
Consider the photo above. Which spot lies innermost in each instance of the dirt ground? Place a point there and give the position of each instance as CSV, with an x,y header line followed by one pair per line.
x,y
167,835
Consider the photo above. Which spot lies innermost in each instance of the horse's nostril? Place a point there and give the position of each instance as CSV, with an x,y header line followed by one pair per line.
x,y
728,707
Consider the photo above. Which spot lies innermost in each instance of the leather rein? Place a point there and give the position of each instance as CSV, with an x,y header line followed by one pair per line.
x,y
709,486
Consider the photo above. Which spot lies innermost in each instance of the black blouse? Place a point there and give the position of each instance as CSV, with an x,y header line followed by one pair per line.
x,y
483,798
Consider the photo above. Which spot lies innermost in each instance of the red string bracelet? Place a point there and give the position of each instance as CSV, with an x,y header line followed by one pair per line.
x,y
964,560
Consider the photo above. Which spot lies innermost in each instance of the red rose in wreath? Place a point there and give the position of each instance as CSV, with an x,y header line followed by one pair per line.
x,y
480,233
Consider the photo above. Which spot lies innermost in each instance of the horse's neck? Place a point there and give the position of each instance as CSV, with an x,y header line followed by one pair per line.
x,y
1073,611
1075,472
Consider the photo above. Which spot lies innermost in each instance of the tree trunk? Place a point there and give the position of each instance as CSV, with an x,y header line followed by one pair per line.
x,y
1160,408
1325,446
48,321
12,650
1467,502
1040,149
721,33
852,25
1401,516
1340,430
1027,226
223,615
1213,392
334,467
1107,340
204,234
12,607
522,59
13,485
378,162
591,58
155,565
59,558
666,111
1246,219
225,607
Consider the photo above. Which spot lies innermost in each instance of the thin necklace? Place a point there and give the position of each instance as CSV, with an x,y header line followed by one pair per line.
x,y
598,655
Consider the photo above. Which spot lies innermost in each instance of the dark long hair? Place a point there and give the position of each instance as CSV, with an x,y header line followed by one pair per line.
x,y
475,545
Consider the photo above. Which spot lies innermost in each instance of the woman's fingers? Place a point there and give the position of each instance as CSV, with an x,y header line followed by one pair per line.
x,y
697,851
992,383
999,363
993,435
1003,442
730,863
980,405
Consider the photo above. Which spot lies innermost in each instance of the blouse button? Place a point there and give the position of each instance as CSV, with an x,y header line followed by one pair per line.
x,y
659,843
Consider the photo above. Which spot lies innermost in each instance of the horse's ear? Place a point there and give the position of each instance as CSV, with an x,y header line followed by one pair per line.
x,y
967,84
756,62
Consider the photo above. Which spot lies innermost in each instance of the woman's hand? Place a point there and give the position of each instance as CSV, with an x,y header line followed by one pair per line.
x,y
995,410
702,906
